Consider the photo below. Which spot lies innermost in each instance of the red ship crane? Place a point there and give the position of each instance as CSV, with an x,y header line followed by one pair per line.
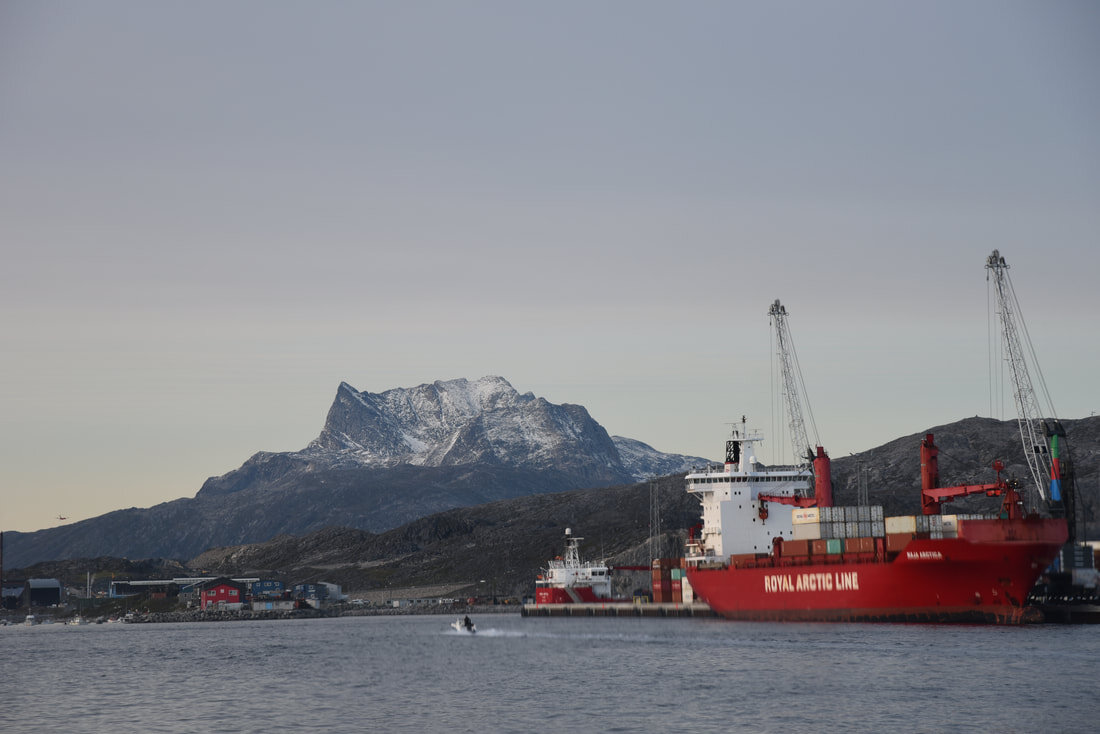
x,y
795,390
932,496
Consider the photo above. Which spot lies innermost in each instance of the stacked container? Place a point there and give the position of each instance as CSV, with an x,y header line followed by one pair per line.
x,y
668,580
861,521
806,523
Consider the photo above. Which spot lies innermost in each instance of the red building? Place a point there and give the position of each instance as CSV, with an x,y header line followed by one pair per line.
x,y
223,593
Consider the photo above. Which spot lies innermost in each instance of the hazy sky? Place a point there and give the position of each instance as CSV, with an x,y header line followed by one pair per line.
x,y
214,212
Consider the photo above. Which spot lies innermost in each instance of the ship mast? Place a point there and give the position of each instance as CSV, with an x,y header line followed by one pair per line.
x,y
795,392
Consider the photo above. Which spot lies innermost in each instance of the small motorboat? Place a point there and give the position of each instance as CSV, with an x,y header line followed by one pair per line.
x,y
464,625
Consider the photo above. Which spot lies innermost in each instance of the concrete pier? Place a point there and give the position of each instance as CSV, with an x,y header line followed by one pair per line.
x,y
624,609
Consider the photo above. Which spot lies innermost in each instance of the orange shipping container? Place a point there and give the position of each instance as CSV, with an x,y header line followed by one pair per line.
x,y
859,545
897,541
819,547
796,548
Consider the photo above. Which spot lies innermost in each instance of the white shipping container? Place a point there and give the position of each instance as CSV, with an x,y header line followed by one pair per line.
x,y
901,524
686,590
807,531
876,513
851,529
801,515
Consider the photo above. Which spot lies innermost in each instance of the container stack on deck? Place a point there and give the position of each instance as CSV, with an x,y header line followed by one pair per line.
x,y
670,584
852,534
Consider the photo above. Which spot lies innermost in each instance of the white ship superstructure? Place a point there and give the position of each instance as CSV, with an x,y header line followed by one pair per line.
x,y
735,517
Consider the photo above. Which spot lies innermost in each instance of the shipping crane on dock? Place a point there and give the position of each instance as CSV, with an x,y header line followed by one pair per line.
x,y
1046,449
795,392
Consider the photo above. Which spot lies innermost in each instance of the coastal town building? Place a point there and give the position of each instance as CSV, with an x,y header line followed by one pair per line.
x,y
222,593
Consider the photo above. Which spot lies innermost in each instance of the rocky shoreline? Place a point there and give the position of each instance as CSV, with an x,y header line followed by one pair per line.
x,y
244,615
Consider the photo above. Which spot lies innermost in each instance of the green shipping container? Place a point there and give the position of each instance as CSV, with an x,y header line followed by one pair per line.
x,y
677,574
835,547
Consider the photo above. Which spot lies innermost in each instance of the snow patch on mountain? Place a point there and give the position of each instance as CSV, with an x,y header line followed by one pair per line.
x,y
644,461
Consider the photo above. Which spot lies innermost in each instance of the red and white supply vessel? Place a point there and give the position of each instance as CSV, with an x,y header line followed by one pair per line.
x,y
568,580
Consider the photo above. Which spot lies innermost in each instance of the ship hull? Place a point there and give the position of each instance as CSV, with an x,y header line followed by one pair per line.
x,y
569,595
982,578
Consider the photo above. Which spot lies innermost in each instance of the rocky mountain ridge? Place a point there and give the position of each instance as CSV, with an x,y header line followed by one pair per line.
x,y
380,461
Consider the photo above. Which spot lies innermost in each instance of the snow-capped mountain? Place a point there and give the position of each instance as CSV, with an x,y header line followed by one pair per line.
x,y
459,423
380,461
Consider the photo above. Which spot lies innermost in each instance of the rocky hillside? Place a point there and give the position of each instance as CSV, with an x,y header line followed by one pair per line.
x,y
380,461
504,543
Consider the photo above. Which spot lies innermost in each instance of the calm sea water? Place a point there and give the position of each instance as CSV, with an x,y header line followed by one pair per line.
x,y
525,675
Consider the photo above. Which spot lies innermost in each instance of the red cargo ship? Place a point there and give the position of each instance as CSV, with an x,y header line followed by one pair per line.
x,y
767,552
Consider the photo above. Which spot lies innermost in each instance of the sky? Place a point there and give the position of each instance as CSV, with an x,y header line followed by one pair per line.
x,y
213,213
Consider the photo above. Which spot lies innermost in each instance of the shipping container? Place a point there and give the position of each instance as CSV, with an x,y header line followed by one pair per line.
x,y
796,548
876,513
809,531
677,574
897,541
878,528
864,528
851,529
864,513
742,560
903,524
819,547
800,515
835,546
